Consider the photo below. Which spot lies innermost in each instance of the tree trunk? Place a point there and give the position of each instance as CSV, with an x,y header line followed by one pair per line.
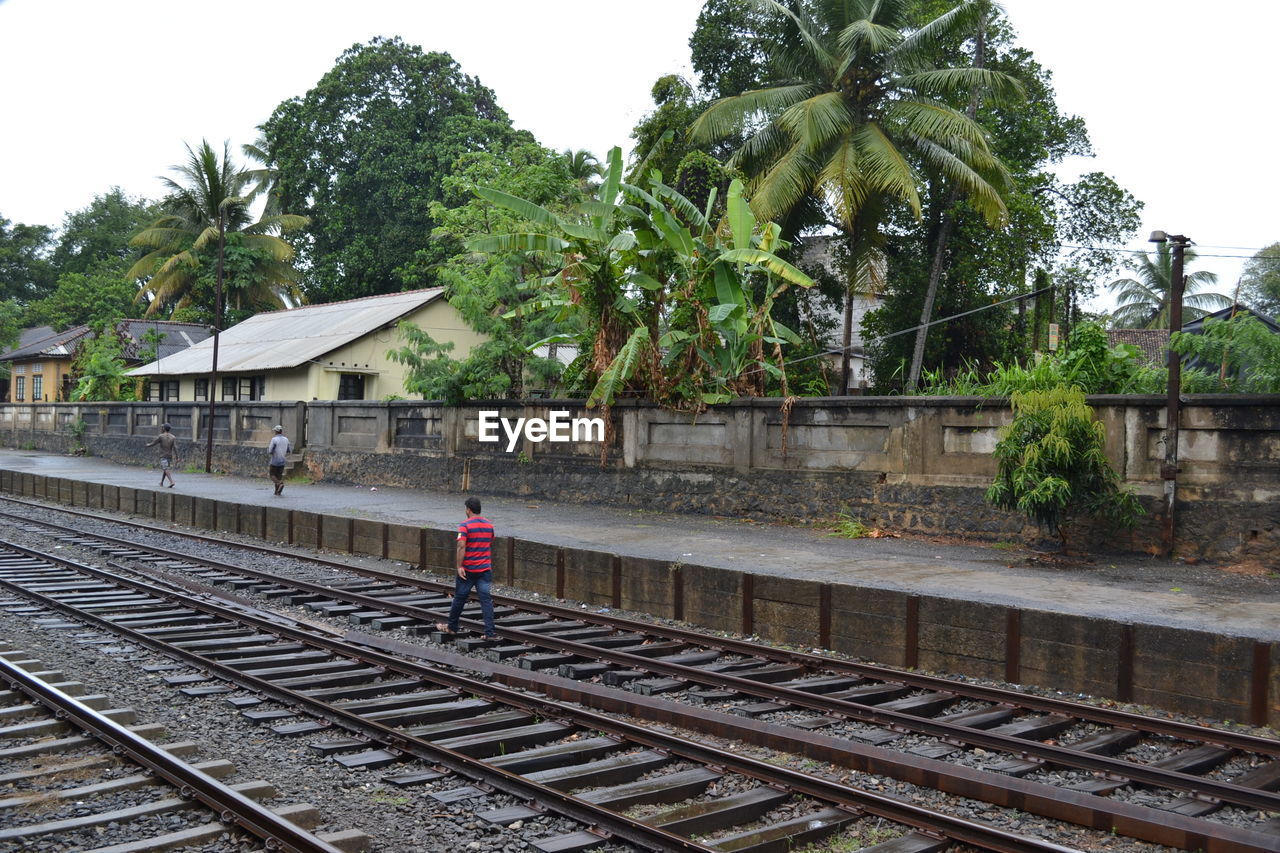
x,y
944,234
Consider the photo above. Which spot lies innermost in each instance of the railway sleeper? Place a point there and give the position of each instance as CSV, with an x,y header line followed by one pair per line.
x,y
672,788
573,842
788,835
558,755
448,729
1198,760
720,814
1037,728
606,771
503,741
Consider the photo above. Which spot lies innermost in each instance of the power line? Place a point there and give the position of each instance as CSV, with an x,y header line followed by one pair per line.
x,y
1143,251
916,327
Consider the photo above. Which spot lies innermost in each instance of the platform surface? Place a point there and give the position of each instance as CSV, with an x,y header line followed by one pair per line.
x,y
1124,587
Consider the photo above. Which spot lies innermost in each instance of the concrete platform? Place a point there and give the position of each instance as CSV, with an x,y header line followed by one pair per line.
x,y
1116,587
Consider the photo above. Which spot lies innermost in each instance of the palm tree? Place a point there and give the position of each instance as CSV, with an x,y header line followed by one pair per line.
x,y
862,114
1144,300
211,201
266,178
584,167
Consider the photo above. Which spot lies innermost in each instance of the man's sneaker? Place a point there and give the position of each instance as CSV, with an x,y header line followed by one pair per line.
x,y
492,637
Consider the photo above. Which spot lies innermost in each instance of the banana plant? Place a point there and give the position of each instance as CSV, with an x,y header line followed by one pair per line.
x,y
675,307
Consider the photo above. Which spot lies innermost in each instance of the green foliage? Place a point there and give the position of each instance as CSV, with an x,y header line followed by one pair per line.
x,y
662,136
101,367
487,288
12,321
1086,364
1260,283
100,295
1241,350
365,153
849,527
76,429
1052,465
1144,299
179,271
96,237
668,305
980,264
25,271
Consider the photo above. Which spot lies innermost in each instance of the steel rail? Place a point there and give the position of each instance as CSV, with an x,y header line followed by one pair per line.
x,y
440,757
995,695
958,829
1062,756
276,832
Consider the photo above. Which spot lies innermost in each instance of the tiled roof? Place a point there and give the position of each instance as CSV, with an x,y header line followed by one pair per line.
x,y
1154,343
177,337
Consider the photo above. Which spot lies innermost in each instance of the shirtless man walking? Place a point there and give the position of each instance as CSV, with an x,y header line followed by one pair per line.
x,y
168,443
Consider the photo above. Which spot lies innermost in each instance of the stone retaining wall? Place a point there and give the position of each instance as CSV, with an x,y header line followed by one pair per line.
x,y
914,464
1194,672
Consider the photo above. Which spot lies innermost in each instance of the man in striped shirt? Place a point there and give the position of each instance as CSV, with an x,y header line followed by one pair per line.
x,y
475,569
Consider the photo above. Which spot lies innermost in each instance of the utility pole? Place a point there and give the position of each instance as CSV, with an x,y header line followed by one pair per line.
x,y
217,325
1169,470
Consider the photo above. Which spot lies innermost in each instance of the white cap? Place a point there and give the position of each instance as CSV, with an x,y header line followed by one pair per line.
x,y
278,428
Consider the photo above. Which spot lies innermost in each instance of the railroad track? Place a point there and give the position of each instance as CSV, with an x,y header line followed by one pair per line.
x,y
836,711
49,736
374,710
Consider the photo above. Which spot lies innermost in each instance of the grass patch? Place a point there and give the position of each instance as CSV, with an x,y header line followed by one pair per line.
x,y
849,526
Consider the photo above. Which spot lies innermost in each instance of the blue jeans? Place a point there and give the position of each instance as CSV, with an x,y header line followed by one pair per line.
x,y
483,582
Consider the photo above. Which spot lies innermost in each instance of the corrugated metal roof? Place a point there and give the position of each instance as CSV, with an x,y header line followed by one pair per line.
x,y
283,339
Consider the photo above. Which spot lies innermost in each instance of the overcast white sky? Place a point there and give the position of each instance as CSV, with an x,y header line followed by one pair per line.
x,y
1179,102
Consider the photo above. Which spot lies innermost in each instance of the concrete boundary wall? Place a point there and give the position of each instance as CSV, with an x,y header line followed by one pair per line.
x,y
918,464
1187,671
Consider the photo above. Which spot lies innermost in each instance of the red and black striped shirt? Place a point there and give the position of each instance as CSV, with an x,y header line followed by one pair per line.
x,y
477,535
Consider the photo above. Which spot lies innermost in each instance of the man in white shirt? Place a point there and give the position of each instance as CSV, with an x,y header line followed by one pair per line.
x,y
279,450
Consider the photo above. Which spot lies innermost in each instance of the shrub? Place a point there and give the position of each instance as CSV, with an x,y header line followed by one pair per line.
x,y
1051,464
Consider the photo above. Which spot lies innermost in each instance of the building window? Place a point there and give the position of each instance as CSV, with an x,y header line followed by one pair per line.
x,y
19,389
202,389
162,389
37,388
229,388
252,387
19,368
37,368
351,386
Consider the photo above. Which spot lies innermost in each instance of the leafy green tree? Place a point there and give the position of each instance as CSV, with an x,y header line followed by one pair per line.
x,y
731,46
100,368
487,289
1086,363
666,308
100,295
210,203
977,264
662,136
1144,299
96,237
25,271
1245,353
1260,283
364,154
12,321
862,113
1052,464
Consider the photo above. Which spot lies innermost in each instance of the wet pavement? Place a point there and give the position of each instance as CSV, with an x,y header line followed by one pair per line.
x,y
1124,587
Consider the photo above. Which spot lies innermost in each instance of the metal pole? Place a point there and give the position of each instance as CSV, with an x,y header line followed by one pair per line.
x,y
217,324
1169,471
